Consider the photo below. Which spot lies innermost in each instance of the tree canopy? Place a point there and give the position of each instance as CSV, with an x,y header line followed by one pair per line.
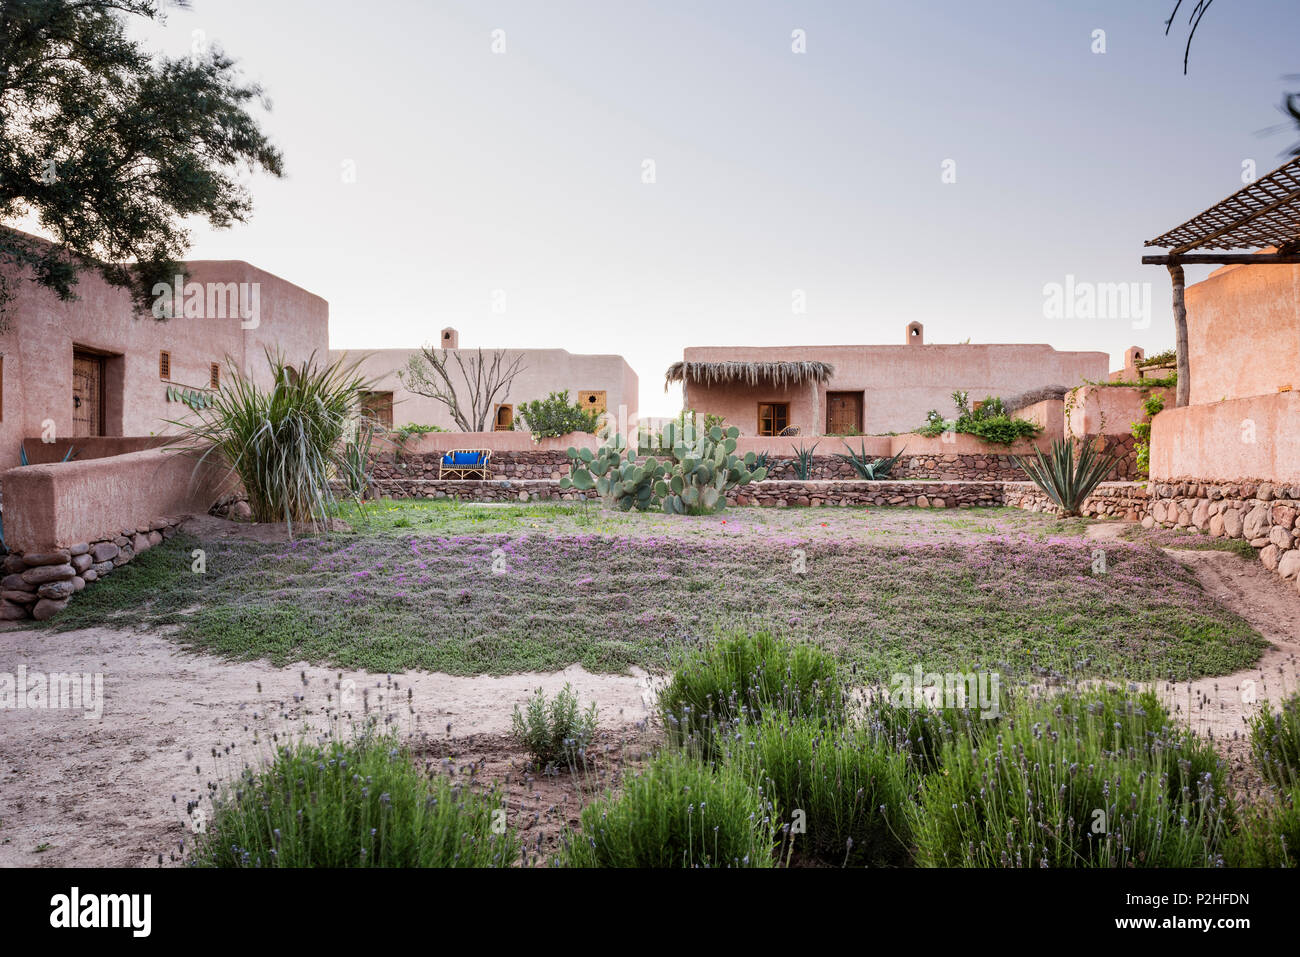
x,y
109,147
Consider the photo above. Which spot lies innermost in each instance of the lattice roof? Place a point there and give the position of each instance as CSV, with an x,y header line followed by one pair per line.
x,y
1262,214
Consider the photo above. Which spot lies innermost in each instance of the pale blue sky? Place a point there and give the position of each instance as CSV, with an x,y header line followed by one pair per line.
x,y
775,171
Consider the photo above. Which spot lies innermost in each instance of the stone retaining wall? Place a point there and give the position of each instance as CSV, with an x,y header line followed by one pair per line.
x,y
1124,501
1261,513
555,464
918,494
39,584
778,494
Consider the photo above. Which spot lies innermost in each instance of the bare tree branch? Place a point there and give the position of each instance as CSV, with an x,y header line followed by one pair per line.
x,y
482,383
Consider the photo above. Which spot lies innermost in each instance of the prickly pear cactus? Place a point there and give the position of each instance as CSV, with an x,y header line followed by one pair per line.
x,y
614,472
703,469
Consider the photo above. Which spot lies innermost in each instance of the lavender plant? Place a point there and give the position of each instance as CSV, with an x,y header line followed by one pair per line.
x,y
555,732
677,812
352,803
739,678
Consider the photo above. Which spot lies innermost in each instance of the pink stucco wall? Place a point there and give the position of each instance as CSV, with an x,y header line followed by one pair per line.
x,y
496,441
1250,438
1243,332
45,453
543,371
1048,415
54,506
900,384
1110,410
38,349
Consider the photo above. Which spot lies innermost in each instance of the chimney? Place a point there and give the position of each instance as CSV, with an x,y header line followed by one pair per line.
x,y
915,334
450,339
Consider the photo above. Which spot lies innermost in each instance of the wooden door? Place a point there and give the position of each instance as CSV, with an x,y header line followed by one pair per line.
x,y
87,395
843,412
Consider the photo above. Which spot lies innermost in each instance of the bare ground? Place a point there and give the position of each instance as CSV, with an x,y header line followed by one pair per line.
x,y
75,792
1220,706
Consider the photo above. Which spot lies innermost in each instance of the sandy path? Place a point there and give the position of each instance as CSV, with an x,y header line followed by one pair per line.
x,y
100,793
1219,706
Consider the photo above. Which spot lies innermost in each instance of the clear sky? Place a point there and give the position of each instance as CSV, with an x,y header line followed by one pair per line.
x,y
514,180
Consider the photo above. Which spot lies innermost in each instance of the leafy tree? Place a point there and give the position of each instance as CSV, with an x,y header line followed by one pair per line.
x,y
556,415
109,147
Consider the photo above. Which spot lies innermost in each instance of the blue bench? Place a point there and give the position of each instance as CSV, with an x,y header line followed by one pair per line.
x,y
465,463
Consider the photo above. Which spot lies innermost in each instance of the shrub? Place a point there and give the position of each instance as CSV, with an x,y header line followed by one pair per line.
x,y
555,732
989,422
677,812
1151,407
1275,743
845,790
1068,483
741,677
284,443
1096,780
556,415
361,803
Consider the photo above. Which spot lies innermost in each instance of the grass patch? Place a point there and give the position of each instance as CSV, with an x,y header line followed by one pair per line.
x,y
541,599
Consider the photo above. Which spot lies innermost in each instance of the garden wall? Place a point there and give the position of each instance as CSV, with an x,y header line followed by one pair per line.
x,y
515,456
53,506
68,524
1255,437
1108,410
84,448
776,494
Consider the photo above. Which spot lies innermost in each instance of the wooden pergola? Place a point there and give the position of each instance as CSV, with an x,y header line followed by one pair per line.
x,y
1264,215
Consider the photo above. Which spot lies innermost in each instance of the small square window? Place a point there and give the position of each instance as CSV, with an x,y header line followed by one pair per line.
x,y
214,375
164,365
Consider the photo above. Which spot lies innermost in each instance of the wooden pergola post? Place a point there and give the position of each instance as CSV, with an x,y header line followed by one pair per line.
x,y
1184,387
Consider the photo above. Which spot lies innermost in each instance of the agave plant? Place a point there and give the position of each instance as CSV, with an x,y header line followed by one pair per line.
x,y
1065,481
873,470
803,462
286,442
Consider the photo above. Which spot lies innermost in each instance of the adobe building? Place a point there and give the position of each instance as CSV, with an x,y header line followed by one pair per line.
x,y
1242,420
598,383
871,389
99,367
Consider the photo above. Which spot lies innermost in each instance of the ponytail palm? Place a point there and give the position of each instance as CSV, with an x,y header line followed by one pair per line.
x,y
284,442
1065,481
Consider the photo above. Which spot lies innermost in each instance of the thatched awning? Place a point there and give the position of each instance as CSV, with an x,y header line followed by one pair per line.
x,y
782,374
1025,399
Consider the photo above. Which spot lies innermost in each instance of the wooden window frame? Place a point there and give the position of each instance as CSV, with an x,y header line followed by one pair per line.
x,y
496,418
785,417
383,414
164,365
214,375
